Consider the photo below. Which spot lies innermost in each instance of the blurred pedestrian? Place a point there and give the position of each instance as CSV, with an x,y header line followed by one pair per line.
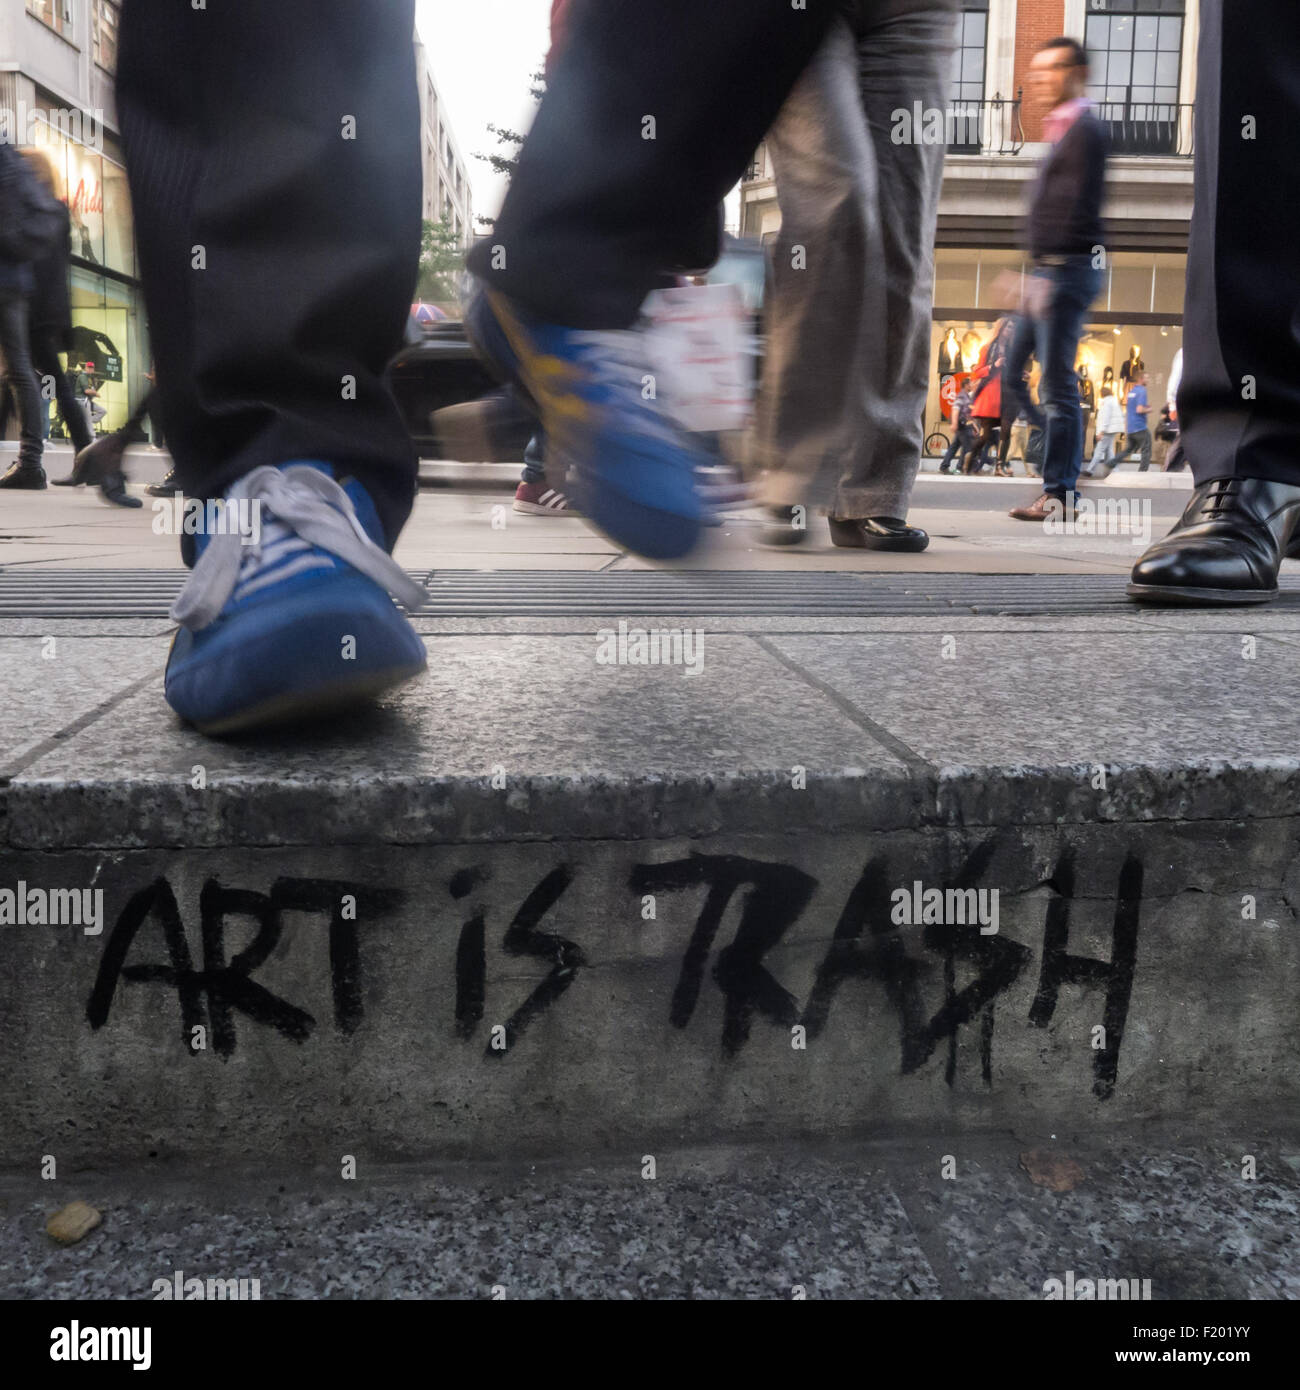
x,y
1175,460
631,154
1110,425
86,390
962,431
20,200
847,365
1137,421
987,404
1064,231
50,323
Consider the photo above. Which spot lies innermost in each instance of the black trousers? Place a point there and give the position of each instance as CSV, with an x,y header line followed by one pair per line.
x,y
45,361
1239,402
19,377
273,153
651,114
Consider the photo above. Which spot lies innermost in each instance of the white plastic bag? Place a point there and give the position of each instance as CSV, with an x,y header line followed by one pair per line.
x,y
698,340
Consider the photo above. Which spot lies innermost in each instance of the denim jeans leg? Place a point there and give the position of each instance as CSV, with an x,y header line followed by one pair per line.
x,y
1072,290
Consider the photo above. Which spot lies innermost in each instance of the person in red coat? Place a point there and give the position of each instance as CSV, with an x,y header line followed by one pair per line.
x,y
986,408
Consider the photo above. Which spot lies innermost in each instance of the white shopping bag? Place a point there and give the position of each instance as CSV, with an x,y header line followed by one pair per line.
x,y
700,350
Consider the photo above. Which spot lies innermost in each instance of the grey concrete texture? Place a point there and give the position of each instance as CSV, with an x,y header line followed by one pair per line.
x,y
525,736
576,997
831,1222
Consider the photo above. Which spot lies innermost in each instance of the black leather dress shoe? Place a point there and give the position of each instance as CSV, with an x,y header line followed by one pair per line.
x,y
30,476
879,533
1226,548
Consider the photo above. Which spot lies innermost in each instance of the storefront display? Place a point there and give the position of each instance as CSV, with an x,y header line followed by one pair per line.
x,y
1142,289
107,307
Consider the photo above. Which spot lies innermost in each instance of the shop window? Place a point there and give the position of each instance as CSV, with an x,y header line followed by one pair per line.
x,y
104,18
56,13
1136,50
966,89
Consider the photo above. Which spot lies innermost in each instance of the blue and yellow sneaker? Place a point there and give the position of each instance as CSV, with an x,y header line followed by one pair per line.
x,y
631,468
287,613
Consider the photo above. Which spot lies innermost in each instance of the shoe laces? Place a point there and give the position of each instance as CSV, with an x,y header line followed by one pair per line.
x,y
1221,499
298,504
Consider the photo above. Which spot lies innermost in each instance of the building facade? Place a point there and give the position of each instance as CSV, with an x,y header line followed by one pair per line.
x,y
1143,83
57,59
446,175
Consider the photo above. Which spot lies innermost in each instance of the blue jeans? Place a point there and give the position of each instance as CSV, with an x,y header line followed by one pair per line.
x,y
1073,288
1024,342
535,460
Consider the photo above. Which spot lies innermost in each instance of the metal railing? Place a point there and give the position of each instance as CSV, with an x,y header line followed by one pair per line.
x,y
1149,127
985,126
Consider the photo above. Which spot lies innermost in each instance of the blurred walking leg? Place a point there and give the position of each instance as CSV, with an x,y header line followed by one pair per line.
x,y
20,380
651,114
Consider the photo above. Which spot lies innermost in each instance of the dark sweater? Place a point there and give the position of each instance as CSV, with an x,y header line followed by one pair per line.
x,y
14,275
51,307
1065,209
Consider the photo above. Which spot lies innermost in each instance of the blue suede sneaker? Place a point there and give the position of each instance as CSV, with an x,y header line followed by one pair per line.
x,y
631,468
298,622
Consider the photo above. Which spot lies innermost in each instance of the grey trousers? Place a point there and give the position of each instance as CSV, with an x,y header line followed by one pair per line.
x,y
848,346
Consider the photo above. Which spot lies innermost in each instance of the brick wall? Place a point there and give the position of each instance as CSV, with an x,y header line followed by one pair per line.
x,y
1036,22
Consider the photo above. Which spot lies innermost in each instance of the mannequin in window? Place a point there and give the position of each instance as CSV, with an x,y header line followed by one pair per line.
x,y
949,354
1129,369
971,347
1087,399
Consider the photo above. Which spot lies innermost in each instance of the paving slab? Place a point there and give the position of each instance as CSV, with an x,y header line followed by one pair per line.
x,y
627,749
51,682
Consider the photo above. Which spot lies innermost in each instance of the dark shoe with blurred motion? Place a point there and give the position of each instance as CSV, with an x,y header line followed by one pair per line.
x,y
24,476
879,533
113,489
83,470
1226,548
168,487
788,526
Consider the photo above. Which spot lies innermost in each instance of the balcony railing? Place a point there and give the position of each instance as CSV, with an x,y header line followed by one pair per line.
x,y
987,126
1149,127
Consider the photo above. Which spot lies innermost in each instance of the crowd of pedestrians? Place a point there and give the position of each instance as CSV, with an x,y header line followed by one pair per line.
x,y
223,108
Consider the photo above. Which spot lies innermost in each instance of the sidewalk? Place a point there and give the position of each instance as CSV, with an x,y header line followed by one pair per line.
x,y
863,1222
551,899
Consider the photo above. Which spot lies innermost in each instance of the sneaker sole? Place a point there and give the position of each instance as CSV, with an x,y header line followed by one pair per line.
x,y
312,704
1171,596
903,547
536,509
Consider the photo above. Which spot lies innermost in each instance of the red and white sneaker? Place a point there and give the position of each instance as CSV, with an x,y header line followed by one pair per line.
x,y
537,499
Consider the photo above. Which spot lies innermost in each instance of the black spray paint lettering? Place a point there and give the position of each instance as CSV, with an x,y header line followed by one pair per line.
x,y
227,985
521,939
777,897
866,946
